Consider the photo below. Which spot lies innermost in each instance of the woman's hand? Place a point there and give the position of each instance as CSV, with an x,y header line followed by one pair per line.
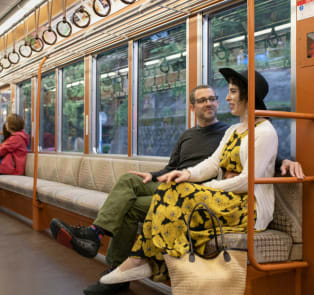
x,y
176,175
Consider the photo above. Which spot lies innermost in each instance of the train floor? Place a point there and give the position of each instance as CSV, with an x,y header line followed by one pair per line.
x,y
32,263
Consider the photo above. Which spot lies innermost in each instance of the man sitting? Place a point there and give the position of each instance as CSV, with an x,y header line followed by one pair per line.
x,y
129,201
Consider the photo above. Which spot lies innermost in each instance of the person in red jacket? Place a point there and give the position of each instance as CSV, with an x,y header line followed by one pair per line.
x,y
13,150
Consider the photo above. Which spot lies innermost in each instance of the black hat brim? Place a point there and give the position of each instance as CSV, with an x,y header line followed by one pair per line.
x,y
228,73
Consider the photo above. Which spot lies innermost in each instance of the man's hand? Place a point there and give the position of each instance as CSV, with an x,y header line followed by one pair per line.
x,y
294,168
147,177
176,175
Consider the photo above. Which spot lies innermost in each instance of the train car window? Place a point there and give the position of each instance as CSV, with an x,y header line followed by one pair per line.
x,y
161,91
73,107
5,104
112,101
310,45
47,112
228,48
25,106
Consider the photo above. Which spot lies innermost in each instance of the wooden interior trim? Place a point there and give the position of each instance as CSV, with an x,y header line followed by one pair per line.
x,y
304,144
16,202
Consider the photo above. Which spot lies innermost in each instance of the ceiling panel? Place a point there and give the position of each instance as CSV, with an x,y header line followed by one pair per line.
x,y
6,6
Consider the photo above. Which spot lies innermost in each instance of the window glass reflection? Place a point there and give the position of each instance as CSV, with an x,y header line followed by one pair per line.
x,y
47,112
112,102
310,45
73,108
5,105
25,107
228,48
162,91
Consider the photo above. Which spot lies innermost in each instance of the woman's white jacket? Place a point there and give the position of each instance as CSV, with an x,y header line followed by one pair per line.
x,y
266,145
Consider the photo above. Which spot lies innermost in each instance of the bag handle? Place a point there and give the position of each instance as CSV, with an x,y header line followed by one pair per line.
x,y
213,216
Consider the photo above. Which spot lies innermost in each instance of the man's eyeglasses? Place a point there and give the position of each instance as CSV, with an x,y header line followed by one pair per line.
x,y
205,99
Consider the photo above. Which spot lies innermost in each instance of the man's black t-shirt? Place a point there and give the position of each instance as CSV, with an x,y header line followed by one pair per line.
x,y
194,145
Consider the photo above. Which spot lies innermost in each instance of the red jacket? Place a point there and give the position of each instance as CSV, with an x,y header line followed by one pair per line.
x,y
13,152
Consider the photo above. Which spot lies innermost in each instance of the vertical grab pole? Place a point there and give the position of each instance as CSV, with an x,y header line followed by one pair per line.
x,y
251,122
36,204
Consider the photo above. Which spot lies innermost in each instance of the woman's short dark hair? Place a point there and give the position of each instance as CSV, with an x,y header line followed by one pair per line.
x,y
15,122
242,87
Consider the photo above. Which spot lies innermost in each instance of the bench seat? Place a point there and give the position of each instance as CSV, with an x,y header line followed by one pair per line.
x,y
81,184
269,245
82,201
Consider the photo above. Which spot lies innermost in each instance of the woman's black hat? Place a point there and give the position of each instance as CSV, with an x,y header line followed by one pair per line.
x,y
261,85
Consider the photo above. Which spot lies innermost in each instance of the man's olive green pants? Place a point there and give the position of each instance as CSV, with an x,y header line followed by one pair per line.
x,y
125,207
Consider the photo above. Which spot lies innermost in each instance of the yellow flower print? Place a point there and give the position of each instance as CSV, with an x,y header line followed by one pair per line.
x,y
196,219
182,243
188,206
158,256
168,233
138,244
173,213
150,214
164,186
147,229
156,199
159,242
180,226
148,248
160,213
156,225
185,189
171,197
203,196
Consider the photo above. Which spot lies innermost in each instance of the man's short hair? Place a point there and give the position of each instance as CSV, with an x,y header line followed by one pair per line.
x,y
192,95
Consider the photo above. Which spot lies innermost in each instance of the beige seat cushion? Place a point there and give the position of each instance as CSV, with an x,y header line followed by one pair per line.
x,y
102,173
269,245
55,167
288,210
19,184
75,199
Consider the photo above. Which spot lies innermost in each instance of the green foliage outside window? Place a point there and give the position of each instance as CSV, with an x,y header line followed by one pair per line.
x,y
25,106
73,107
229,48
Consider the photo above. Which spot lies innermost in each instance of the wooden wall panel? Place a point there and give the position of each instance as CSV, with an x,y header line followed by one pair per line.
x,y
305,145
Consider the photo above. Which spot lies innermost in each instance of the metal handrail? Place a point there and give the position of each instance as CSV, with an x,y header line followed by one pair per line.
x,y
281,114
251,137
35,202
264,180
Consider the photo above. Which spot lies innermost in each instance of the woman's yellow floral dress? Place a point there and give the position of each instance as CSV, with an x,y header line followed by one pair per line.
x,y
164,229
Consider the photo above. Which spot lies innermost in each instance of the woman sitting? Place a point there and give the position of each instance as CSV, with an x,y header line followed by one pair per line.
x,y
13,150
164,229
